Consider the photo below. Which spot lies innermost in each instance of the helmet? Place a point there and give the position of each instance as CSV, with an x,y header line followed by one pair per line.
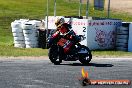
x,y
59,22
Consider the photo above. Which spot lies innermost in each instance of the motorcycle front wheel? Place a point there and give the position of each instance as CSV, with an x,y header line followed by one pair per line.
x,y
85,55
54,54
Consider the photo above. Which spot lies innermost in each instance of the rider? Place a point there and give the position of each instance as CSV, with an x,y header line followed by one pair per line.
x,y
64,29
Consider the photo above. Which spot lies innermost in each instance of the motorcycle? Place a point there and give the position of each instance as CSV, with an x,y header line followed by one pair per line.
x,y
64,49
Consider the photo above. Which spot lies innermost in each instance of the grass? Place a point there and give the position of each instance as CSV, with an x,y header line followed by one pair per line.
x,y
11,51
111,53
11,10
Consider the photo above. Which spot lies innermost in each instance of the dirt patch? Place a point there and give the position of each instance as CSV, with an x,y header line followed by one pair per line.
x,y
118,5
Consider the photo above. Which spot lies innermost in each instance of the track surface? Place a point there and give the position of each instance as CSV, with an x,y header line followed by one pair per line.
x,y
41,73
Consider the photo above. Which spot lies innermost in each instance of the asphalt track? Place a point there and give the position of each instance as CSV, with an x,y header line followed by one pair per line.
x,y
41,73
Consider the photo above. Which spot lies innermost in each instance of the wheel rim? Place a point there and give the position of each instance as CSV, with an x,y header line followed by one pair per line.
x,y
86,57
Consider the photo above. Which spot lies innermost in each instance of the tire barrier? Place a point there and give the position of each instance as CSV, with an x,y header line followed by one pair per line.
x,y
122,38
37,23
121,44
19,42
19,38
122,30
31,46
30,35
19,45
122,41
25,33
42,38
31,42
28,25
17,32
121,48
30,32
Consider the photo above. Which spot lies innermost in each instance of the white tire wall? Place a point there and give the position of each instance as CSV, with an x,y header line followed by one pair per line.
x,y
30,32
121,48
31,46
19,45
31,42
30,35
37,23
31,38
121,41
16,24
17,30
19,42
122,32
25,33
122,38
121,44
17,33
28,25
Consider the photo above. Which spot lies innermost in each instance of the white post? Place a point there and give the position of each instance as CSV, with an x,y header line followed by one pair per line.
x,y
55,8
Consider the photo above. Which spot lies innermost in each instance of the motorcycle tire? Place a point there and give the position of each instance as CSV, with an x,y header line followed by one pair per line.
x,y
85,58
54,55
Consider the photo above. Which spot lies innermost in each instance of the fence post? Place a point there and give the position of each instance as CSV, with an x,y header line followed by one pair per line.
x,y
108,8
80,8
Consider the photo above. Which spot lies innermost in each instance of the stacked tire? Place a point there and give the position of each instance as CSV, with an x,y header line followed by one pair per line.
x,y
42,38
30,34
25,33
17,32
122,38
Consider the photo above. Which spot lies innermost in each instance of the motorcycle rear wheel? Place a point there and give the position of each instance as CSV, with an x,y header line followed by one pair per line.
x,y
54,54
85,58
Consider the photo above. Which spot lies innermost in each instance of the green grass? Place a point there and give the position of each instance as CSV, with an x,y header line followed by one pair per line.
x,y
11,51
111,53
11,10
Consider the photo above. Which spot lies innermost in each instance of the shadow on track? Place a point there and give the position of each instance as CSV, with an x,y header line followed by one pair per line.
x,y
90,64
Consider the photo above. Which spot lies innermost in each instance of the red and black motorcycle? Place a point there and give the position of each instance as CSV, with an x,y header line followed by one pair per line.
x,y
61,48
